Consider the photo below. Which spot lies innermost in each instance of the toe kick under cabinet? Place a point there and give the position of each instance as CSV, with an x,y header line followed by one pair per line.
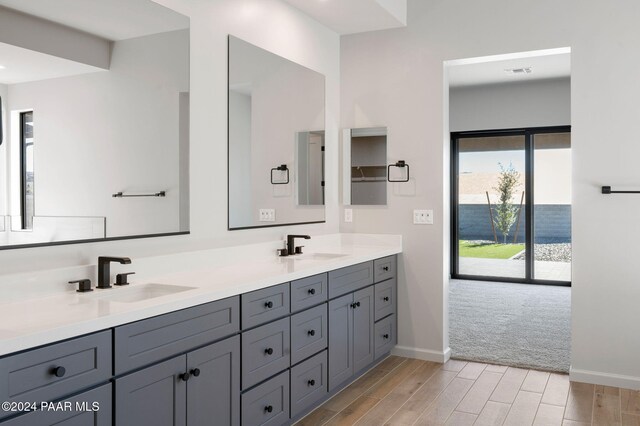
x,y
267,357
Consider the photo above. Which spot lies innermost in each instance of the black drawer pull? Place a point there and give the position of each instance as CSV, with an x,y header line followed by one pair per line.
x,y
386,298
311,382
385,268
268,408
311,332
268,351
312,291
185,377
195,372
59,371
386,336
268,304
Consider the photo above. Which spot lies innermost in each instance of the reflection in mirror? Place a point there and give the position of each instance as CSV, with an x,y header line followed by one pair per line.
x,y
95,102
366,156
310,168
276,119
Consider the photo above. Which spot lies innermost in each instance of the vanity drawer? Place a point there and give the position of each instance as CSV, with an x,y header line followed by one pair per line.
x,y
79,363
384,268
308,292
346,280
267,404
385,298
266,351
308,333
261,306
308,383
384,336
96,398
145,342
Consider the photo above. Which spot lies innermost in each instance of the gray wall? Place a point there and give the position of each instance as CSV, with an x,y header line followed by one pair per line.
x,y
553,223
510,105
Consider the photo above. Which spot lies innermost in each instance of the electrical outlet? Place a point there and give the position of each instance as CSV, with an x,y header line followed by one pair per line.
x,y
423,217
267,215
348,215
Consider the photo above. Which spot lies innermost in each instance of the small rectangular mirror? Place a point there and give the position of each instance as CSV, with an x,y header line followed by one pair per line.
x,y
365,160
276,140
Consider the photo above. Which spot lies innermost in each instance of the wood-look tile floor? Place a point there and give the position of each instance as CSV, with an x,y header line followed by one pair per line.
x,y
404,391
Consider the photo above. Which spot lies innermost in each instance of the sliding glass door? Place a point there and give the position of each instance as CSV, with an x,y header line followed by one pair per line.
x,y
511,205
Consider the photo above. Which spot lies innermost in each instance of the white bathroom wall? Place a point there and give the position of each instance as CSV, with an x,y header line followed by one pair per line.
x,y
272,25
105,132
3,154
536,103
397,78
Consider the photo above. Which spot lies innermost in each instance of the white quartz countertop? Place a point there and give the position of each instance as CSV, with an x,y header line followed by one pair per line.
x,y
37,320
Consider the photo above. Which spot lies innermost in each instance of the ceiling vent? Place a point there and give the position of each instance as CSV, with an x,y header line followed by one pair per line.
x,y
518,71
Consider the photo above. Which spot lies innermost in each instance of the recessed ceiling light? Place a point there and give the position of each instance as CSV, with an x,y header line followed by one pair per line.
x,y
515,71
2,67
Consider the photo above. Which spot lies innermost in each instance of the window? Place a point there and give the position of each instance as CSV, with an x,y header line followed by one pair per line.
x,y
26,170
511,205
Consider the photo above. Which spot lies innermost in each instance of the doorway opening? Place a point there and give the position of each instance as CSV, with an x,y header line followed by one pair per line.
x,y
510,135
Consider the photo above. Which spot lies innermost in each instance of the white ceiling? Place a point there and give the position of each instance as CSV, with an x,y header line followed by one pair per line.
x,y
493,71
113,19
354,16
22,65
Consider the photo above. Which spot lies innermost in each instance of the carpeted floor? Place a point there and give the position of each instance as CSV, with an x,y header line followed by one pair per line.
x,y
510,324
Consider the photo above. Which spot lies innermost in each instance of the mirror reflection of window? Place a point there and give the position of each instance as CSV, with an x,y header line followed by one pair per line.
x,y
27,169
310,175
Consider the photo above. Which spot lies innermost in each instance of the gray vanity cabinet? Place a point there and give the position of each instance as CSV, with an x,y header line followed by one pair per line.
x,y
189,389
350,335
155,396
91,408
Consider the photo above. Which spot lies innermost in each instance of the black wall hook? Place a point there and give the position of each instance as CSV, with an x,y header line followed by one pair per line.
x,y
281,168
401,164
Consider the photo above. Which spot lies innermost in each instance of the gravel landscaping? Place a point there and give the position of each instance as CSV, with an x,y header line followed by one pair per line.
x,y
550,252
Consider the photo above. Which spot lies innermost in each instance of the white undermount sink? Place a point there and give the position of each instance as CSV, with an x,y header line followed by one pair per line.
x,y
139,292
316,256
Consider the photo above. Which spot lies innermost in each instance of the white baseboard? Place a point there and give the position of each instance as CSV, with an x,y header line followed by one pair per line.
x,y
607,379
423,354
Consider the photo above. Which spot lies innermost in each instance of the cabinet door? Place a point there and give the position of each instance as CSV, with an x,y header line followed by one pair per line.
x,y
363,328
213,391
91,408
155,396
340,340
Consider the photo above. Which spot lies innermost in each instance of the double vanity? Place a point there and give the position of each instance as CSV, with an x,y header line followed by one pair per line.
x,y
265,348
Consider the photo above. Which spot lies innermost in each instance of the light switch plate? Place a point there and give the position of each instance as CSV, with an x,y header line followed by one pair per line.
x,y
267,215
348,215
423,217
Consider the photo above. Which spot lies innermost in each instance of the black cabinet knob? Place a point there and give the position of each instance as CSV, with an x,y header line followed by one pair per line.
x,y
185,377
385,268
268,304
195,372
268,408
312,291
357,304
311,382
311,332
59,371
386,336
268,351
386,298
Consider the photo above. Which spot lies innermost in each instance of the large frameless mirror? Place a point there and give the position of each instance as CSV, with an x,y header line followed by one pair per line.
x,y
276,139
95,118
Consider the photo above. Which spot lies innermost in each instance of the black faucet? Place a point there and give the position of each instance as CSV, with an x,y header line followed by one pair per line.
x,y
104,269
291,244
